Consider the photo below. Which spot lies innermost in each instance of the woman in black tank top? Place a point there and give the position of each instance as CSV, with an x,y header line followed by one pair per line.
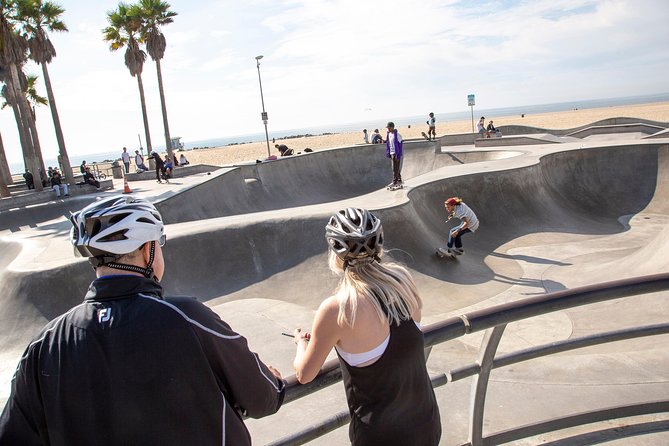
x,y
389,394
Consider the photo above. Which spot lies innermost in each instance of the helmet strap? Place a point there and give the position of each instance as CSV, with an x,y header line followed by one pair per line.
x,y
146,272
363,261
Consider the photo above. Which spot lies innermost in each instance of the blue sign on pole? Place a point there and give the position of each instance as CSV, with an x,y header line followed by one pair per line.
x,y
471,103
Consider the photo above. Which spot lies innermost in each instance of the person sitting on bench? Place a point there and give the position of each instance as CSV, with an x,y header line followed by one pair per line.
x,y
57,184
89,178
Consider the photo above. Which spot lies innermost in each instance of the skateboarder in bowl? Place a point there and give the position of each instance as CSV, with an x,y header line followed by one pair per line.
x,y
468,223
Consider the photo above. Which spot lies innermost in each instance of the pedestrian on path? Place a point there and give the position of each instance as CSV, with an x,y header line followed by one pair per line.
x,y
160,166
431,127
126,160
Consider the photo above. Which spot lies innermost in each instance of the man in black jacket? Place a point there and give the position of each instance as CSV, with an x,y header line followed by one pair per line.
x,y
129,366
89,178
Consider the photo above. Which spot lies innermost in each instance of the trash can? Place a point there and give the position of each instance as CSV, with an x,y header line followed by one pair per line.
x,y
117,170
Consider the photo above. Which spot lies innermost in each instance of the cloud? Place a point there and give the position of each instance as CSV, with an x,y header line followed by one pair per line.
x,y
327,61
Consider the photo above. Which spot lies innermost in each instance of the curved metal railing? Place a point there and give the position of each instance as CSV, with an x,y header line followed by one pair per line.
x,y
494,320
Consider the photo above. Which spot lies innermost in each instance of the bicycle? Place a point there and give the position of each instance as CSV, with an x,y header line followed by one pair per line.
x,y
98,174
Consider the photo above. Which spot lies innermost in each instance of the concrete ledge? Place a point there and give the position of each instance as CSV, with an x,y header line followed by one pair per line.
x,y
518,140
617,128
524,130
662,134
26,198
177,172
458,139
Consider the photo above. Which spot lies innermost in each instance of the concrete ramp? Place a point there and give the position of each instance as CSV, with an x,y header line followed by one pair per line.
x,y
646,129
522,140
660,134
514,129
307,179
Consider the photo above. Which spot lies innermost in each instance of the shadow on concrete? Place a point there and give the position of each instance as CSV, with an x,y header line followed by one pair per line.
x,y
529,259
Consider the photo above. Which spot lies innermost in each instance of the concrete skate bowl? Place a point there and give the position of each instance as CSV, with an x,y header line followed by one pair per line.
x,y
281,255
567,193
573,192
301,180
31,216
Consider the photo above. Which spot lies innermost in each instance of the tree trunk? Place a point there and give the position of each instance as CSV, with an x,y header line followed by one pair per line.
x,y
32,127
168,140
27,153
23,118
5,174
62,151
147,135
4,190
5,171
35,138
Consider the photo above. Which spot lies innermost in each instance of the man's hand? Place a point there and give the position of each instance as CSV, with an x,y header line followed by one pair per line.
x,y
275,372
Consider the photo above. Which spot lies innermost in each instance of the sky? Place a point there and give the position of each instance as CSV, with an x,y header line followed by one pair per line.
x,y
341,61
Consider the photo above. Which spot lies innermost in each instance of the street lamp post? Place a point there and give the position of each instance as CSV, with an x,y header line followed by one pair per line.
x,y
264,113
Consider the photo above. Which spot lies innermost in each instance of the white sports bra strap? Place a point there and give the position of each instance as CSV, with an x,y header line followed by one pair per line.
x,y
354,359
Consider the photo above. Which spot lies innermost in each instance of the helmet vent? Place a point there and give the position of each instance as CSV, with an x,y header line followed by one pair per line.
x,y
116,218
97,225
120,235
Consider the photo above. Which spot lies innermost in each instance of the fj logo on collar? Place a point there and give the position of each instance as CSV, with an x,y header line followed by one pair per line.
x,y
104,315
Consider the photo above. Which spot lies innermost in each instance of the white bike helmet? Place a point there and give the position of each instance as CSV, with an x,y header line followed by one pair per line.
x,y
354,233
105,230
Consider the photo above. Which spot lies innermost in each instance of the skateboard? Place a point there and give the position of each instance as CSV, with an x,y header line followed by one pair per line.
x,y
444,254
425,135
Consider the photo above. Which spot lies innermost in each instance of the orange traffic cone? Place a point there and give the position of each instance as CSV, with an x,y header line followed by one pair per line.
x,y
126,188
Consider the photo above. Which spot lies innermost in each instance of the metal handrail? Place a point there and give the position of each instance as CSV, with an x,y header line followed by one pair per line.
x,y
454,327
560,347
498,316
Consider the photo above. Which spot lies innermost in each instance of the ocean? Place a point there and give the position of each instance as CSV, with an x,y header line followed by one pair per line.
x,y
17,168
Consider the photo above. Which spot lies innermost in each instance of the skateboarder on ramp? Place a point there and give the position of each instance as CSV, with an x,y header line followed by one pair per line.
x,y
468,223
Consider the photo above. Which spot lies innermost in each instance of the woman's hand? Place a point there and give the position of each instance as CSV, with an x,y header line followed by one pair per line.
x,y
300,335
314,347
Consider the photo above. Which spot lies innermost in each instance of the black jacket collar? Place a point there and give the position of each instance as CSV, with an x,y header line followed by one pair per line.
x,y
122,286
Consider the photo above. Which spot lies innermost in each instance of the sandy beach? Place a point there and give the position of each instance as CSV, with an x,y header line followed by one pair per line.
x,y
241,153
555,120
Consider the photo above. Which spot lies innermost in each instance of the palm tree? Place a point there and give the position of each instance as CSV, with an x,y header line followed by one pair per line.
x,y
12,54
154,14
34,99
5,172
123,30
28,82
38,17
